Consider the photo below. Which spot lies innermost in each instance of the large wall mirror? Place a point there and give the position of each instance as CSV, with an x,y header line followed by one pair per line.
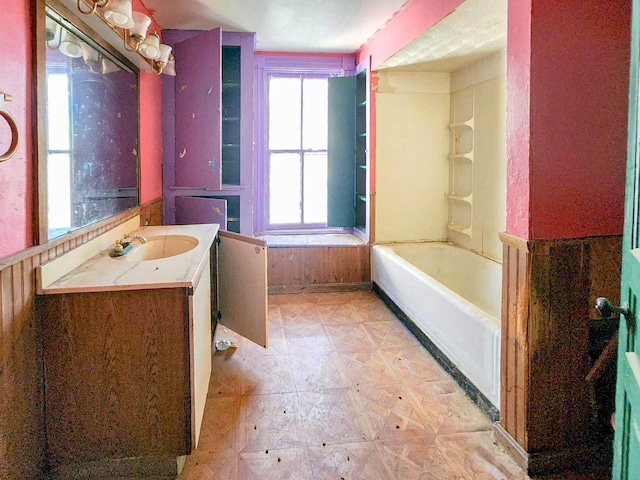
x,y
91,130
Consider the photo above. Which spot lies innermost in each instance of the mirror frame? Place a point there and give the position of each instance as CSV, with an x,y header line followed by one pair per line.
x,y
39,127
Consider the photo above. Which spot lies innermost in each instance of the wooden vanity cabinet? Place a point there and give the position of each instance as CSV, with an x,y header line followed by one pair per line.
x,y
126,372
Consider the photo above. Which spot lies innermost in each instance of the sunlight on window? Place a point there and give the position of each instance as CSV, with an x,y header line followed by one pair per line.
x,y
59,190
315,188
284,113
314,121
57,112
284,186
59,157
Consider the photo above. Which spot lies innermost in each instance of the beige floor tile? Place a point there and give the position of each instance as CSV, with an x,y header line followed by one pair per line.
x,y
475,455
299,314
205,467
413,363
332,417
416,460
390,334
307,338
287,464
270,421
366,367
447,408
338,314
392,413
350,337
317,371
227,373
374,311
268,374
219,432
275,316
353,461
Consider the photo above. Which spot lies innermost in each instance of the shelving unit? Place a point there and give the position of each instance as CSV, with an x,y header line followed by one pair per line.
x,y
231,102
461,166
230,152
361,152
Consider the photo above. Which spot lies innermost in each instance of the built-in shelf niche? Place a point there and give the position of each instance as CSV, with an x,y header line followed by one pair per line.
x,y
461,163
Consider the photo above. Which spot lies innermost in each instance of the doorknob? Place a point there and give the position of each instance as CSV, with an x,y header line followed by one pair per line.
x,y
606,308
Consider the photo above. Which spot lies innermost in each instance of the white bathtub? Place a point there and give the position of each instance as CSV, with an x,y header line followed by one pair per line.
x,y
454,297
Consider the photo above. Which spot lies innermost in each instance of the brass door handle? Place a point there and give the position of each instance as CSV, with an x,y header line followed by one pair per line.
x,y
15,136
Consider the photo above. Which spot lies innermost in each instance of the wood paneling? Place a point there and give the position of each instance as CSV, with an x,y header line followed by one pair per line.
x,y
22,441
318,265
549,289
117,375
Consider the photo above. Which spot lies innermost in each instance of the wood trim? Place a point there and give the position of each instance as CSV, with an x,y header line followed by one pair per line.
x,y
514,241
318,265
21,367
39,122
243,238
324,288
547,293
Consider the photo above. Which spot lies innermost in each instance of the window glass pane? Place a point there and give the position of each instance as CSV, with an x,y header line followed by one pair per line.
x,y
315,188
59,192
285,196
284,113
57,112
314,120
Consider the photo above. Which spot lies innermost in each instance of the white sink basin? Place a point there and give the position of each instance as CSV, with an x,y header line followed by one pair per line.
x,y
159,247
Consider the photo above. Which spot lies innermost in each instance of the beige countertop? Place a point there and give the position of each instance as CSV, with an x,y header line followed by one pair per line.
x,y
103,273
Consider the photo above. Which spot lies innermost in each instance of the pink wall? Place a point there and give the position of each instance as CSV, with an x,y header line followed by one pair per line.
x,y
16,174
579,87
150,137
518,114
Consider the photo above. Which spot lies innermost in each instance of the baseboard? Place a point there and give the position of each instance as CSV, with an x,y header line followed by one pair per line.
x,y
579,457
319,288
509,443
157,468
467,385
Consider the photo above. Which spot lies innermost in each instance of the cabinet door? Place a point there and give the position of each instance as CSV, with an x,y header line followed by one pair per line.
x,y
198,97
197,210
242,283
341,208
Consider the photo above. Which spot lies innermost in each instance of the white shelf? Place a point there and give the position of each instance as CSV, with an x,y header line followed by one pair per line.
x,y
464,156
465,230
461,198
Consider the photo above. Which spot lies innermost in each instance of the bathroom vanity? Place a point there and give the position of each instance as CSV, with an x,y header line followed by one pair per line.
x,y
128,342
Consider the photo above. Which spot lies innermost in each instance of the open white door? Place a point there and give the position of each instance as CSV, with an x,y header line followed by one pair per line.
x,y
242,283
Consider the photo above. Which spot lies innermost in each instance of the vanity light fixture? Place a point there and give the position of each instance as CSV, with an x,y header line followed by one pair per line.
x,y
150,48
133,28
136,35
70,45
170,69
119,13
93,5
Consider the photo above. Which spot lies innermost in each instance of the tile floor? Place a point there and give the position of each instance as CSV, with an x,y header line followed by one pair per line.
x,y
343,392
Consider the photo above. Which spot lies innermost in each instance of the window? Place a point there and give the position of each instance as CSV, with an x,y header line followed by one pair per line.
x,y
297,152
291,141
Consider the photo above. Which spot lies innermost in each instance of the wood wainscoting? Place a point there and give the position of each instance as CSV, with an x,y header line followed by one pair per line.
x,y
549,289
22,435
318,268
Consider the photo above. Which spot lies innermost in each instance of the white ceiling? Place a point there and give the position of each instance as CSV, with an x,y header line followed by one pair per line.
x,y
475,30
328,26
